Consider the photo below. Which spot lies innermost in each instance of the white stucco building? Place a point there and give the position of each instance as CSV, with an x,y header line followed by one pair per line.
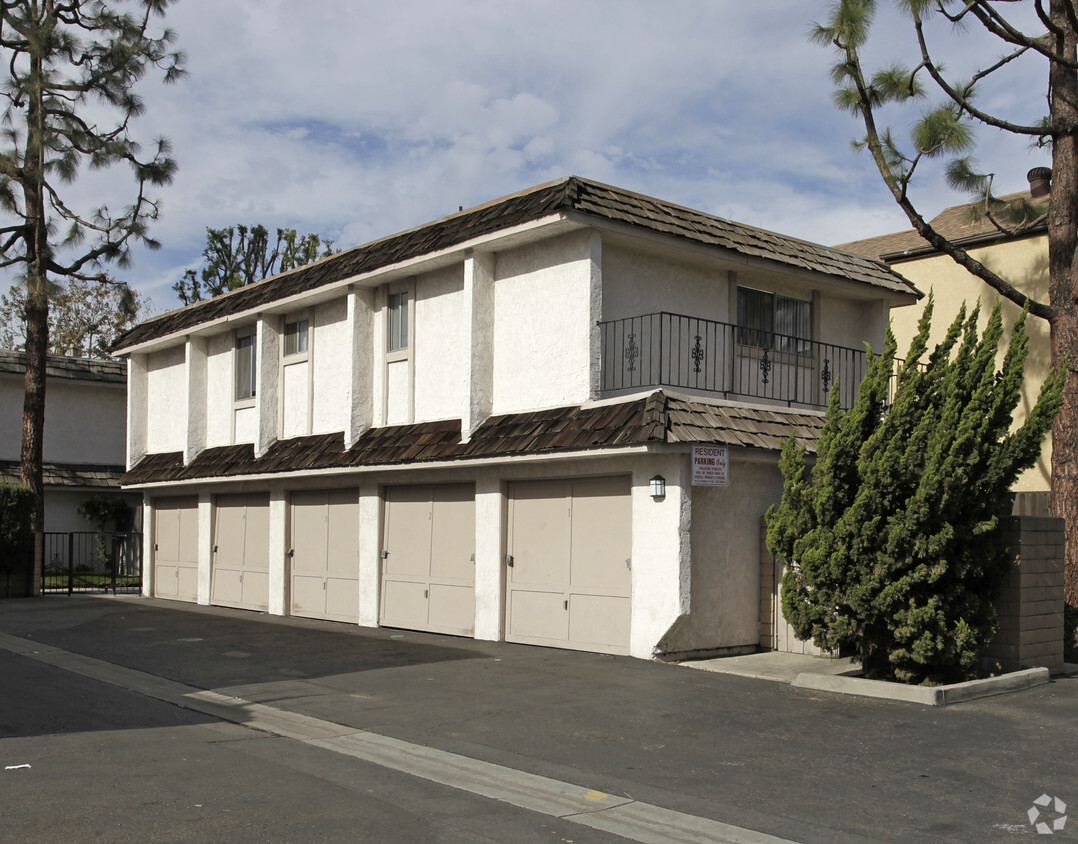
x,y
463,428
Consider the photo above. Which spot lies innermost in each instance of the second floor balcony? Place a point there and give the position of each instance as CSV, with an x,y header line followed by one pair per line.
x,y
734,362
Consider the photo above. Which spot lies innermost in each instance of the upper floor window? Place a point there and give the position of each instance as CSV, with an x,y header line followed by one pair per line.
x,y
398,321
770,321
246,366
295,337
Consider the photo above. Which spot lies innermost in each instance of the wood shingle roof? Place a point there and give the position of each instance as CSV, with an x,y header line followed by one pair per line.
x,y
653,419
581,198
954,223
61,366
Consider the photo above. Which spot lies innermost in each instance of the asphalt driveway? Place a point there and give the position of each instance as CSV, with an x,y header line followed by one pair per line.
x,y
801,765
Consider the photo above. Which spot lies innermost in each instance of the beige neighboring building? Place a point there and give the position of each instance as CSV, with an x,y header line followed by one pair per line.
x,y
1022,260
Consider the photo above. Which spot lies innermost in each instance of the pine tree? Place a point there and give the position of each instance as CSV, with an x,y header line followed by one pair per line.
x,y
891,542
70,101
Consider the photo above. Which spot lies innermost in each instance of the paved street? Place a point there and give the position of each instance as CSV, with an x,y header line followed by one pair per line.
x,y
117,753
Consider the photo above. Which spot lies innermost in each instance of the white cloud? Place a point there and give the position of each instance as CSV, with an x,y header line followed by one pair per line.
x,y
357,119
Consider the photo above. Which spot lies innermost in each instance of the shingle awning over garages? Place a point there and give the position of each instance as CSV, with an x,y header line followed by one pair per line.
x,y
652,420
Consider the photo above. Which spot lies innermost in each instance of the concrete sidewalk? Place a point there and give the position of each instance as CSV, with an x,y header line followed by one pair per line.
x,y
774,666
758,756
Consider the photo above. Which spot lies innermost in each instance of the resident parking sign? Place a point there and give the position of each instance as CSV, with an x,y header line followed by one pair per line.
x,y
710,465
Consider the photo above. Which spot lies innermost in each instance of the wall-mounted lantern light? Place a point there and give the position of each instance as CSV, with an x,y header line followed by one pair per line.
x,y
658,487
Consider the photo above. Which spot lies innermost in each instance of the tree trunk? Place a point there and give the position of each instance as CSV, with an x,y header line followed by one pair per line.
x,y
1063,286
33,423
37,317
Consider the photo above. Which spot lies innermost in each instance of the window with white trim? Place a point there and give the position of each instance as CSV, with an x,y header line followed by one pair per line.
x,y
246,366
296,337
769,321
398,321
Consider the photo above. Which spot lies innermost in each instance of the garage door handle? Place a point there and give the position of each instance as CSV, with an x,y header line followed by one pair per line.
x,y
214,549
291,553
567,603
509,560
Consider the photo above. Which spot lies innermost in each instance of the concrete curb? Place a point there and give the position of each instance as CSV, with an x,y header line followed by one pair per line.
x,y
925,695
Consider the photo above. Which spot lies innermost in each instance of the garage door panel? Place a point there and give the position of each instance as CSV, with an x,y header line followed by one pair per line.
x,y
309,537
227,587
569,582
600,621
342,599
408,531
167,538
175,556
256,535
166,580
255,590
308,595
187,583
188,538
602,535
240,575
540,535
451,609
229,528
453,533
538,615
342,523
428,577
404,603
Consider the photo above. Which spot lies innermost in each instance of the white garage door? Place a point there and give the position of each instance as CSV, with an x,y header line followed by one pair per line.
x,y
175,548
325,554
241,552
569,580
428,565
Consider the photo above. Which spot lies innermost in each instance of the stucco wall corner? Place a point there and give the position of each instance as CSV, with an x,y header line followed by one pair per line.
x,y
661,547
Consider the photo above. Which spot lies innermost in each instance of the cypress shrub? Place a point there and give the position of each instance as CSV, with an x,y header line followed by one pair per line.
x,y
891,541
16,507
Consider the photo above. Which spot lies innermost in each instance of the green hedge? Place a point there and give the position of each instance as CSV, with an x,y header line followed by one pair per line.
x,y
16,508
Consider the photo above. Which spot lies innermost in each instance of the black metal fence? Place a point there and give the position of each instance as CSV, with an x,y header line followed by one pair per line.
x,y
92,562
672,350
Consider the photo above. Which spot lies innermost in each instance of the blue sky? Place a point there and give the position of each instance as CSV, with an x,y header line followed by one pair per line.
x,y
359,118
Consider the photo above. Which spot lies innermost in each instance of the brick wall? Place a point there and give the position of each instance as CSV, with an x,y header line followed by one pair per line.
x,y
1031,605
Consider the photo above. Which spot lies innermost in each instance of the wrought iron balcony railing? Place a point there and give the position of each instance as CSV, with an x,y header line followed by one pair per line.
x,y
672,350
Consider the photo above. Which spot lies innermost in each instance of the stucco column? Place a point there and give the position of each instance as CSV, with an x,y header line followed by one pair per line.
x,y
278,553
595,301
360,363
490,509
661,585
370,553
195,377
136,408
149,530
205,547
266,400
479,340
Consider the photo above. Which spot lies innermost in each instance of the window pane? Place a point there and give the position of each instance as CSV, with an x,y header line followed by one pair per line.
x,y
754,317
295,337
245,367
793,322
398,321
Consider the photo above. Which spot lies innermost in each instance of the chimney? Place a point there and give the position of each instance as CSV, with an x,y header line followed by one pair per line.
x,y
1040,182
